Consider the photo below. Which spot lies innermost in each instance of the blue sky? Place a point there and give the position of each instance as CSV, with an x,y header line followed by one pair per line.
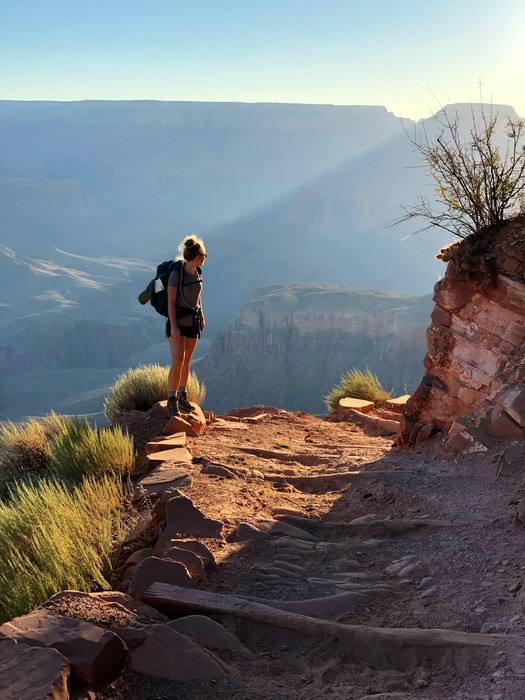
x,y
408,56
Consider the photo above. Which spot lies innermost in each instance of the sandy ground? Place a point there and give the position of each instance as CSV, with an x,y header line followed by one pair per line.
x,y
450,557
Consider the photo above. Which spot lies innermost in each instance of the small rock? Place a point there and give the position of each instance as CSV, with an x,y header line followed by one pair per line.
x,y
429,592
425,582
514,587
405,571
421,683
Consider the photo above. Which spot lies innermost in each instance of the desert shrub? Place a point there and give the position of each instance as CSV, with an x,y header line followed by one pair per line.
x,y
356,385
141,387
82,450
25,448
53,538
478,183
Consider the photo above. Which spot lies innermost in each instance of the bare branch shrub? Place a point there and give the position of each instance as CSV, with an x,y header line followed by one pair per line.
x,y
479,184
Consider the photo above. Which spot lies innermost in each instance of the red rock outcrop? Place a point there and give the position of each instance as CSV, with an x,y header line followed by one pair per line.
x,y
474,386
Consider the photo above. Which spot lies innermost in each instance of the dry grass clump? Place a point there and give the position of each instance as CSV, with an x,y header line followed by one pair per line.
x,y
356,385
82,450
53,538
25,448
141,387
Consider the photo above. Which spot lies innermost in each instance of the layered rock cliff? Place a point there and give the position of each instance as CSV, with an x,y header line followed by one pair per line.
x,y
290,344
473,390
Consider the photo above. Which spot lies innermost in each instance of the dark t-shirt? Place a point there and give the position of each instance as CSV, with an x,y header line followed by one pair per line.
x,y
191,293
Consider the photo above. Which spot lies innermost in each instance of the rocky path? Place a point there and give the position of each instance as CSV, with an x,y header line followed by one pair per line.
x,y
349,569
298,558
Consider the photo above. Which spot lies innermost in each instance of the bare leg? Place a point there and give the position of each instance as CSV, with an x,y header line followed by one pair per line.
x,y
181,353
177,348
190,344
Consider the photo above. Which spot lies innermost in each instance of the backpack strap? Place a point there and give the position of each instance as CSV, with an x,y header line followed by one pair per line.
x,y
181,284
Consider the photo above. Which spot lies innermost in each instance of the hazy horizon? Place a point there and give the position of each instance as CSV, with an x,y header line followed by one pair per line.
x,y
408,58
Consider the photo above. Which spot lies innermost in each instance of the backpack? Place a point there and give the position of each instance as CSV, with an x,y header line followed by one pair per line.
x,y
157,290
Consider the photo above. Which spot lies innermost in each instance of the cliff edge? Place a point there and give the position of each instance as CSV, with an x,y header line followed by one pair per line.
x,y
473,390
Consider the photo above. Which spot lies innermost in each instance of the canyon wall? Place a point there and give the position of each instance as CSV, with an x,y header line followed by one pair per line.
x,y
291,343
473,390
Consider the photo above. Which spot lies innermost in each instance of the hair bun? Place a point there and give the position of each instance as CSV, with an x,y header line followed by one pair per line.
x,y
190,242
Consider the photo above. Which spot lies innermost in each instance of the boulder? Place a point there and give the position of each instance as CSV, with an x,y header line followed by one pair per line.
x,y
190,545
193,563
96,655
513,403
183,518
196,419
209,634
32,673
245,532
168,654
178,425
155,570
502,427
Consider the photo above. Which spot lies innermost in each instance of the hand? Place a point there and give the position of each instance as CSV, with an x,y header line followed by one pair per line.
x,y
203,324
175,333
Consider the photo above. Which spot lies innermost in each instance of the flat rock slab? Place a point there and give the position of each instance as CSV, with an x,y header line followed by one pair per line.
x,y
168,654
166,443
32,673
167,476
398,404
372,426
174,454
252,411
228,423
96,655
360,405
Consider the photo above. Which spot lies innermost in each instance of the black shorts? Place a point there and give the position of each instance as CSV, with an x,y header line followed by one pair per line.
x,y
185,331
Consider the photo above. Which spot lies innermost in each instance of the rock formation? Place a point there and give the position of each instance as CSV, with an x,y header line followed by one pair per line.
x,y
473,390
291,343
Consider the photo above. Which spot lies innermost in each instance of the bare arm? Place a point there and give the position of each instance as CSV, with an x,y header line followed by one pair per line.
x,y
172,301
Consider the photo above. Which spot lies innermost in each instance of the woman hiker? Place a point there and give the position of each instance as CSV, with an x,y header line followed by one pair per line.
x,y
185,322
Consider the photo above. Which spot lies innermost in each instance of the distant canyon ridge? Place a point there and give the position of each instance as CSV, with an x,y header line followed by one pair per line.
x,y
94,194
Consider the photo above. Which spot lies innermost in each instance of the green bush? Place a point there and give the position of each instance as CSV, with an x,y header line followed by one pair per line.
x,y
356,385
82,450
26,448
141,387
53,539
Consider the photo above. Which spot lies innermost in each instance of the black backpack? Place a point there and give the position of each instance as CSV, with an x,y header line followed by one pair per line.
x,y
157,290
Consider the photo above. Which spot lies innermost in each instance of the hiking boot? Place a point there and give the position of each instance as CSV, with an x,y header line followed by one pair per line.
x,y
173,407
184,405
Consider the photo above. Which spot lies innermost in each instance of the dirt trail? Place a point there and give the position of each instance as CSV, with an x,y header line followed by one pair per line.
x,y
389,540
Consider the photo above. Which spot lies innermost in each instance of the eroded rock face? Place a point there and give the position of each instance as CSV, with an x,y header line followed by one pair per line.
x,y
290,344
474,386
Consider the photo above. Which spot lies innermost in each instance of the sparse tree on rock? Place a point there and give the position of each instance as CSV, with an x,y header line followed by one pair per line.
x,y
478,183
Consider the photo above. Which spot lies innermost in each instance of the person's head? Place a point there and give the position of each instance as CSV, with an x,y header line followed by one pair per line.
x,y
191,248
